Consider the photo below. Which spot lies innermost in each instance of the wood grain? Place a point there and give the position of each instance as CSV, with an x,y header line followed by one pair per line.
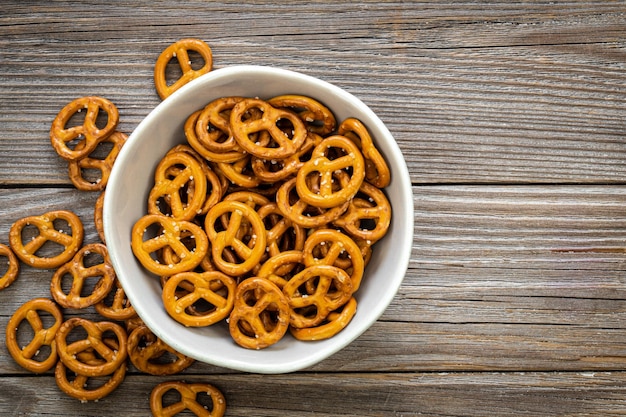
x,y
512,121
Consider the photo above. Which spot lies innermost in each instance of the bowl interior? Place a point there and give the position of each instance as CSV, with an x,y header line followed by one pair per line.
x,y
126,201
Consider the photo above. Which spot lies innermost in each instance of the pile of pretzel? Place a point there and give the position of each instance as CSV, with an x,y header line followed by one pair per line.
x,y
266,218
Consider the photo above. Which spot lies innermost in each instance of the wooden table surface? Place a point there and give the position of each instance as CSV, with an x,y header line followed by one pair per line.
x,y
512,120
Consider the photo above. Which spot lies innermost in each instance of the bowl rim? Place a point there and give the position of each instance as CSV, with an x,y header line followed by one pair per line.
x,y
400,175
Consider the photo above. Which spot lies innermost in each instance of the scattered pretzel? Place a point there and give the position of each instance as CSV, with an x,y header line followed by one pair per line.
x,y
26,356
119,307
79,387
188,399
13,267
88,134
146,352
180,51
80,273
111,357
27,251
76,167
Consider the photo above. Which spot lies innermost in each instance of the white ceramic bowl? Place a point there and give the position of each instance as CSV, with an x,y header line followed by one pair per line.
x,y
132,178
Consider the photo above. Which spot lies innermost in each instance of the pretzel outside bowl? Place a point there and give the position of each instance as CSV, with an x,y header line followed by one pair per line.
x,y
27,356
27,251
88,132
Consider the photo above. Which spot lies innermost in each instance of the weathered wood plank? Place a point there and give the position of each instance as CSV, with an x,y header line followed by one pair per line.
x,y
401,394
462,107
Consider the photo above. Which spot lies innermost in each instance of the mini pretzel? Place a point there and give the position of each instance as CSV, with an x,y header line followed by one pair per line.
x,y
250,253
171,232
213,124
373,207
98,217
88,133
214,184
239,172
377,171
300,212
279,268
105,165
79,387
168,185
69,353
80,273
13,267
120,308
275,170
146,352
27,252
180,51
285,144
26,356
327,246
323,166
282,234
317,117
334,323
188,400
194,142
182,308
329,288
254,297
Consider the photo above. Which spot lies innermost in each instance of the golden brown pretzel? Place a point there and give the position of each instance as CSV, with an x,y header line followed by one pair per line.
x,y
317,117
80,273
213,126
219,298
213,182
13,267
334,323
239,172
170,235
332,247
27,252
369,206
120,308
300,212
188,393
245,132
250,253
80,388
97,216
180,51
329,288
194,142
76,167
275,170
26,356
147,353
89,133
323,168
254,297
377,171
281,267
282,234
176,173
111,357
